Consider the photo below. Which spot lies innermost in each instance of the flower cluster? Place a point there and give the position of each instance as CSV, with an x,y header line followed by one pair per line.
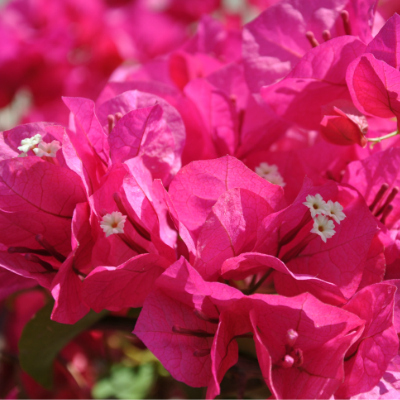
x,y
320,211
39,147
191,186
270,173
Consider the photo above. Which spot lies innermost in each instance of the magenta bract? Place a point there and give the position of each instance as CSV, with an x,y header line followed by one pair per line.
x,y
198,186
312,367
317,80
369,357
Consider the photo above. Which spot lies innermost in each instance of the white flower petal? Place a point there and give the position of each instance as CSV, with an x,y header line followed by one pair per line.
x,y
316,204
335,211
29,143
324,227
113,223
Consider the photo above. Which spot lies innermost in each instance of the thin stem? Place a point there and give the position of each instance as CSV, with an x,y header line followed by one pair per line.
x,y
189,332
252,289
253,281
379,139
296,250
46,245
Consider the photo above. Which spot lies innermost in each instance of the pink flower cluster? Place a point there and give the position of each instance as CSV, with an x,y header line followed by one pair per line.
x,y
243,186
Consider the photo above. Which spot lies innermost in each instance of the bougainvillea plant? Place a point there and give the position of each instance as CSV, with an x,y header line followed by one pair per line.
x,y
201,199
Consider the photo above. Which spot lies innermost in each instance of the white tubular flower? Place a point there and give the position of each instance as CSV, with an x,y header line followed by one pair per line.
x,y
270,173
316,204
323,227
113,223
47,149
334,210
30,143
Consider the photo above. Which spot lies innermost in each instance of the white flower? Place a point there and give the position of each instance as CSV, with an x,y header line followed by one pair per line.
x,y
316,204
47,149
113,223
334,210
270,173
323,227
30,143
266,169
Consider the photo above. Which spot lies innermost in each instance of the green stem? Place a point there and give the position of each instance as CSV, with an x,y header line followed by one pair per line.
x,y
379,139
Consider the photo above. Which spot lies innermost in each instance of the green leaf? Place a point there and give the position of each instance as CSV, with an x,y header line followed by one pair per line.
x,y
42,339
126,383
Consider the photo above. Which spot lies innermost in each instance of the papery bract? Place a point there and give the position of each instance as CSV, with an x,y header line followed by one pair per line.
x,y
374,87
111,250
231,228
132,27
233,322
318,79
79,151
396,307
124,274
376,263
389,385
143,200
214,39
115,288
324,335
196,9
289,165
385,45
82,240
38,198
86,124
230,80
276,41
368,176
378,343
160,145
66,289
198,186
12,283
185,67
250,264
217,113
144,133
172,309
18,265
346,263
